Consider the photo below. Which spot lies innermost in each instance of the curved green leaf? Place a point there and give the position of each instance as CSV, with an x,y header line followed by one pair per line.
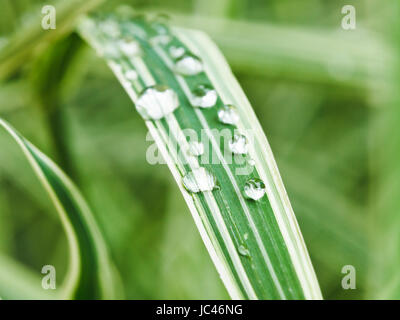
x,y
256,246
90,274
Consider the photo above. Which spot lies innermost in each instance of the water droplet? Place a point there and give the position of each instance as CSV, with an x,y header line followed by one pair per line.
x,y
238,145
129,47
110,51
133,28
252,162
254,189
199,180
188,65
176,52
243,251
160,27
163,39
110,28
131,75
227,114
204,96
246,236
196,148
157,101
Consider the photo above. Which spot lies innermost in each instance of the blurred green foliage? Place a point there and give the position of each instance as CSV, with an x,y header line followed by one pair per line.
x,y
324,96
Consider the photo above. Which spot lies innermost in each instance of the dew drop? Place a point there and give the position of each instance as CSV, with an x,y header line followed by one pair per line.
x,y
110,51
243,251
254,189
110,28
204,96
133,28
129,47
176,52
188,65
157,101
228,115
160,27
131,75
238,145
252,162
163,39
199,180
246,236
196,148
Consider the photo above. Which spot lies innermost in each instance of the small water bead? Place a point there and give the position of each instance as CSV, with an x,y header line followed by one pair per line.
x,y
196,148
228,115
160,27
133,28
243,251
176,52
110,51
188,65
131,75
163,34
246,236
238,145
199,180
110,27
156,102
163,39
252,162
254,189
129,47
204,96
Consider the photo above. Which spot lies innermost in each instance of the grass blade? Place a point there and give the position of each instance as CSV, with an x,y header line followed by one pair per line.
x,y
256,246
90,271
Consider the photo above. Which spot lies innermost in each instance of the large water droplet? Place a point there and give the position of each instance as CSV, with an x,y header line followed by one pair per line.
x,y
199,180
129,47
204,96
188,65
243,251
176,52
254,189
196,148
228,115
157,101
238,145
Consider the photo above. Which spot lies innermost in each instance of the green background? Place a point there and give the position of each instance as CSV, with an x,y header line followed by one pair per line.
x,y
327,99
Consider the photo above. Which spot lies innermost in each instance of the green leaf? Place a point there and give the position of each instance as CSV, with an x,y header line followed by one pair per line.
x,y
256,246
90,274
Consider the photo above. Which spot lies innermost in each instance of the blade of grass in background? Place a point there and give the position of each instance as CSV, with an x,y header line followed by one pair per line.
x,y
91,275
384,235
29,36
256,245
